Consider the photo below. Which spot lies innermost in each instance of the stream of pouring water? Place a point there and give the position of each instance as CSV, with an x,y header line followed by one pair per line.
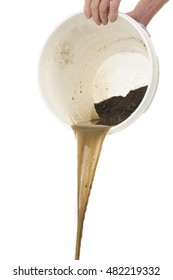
x,y
89,144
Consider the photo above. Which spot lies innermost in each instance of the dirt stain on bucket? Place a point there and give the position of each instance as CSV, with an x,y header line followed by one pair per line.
x,y
64,54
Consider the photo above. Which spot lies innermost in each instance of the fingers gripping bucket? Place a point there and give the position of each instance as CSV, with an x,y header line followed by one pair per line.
x,y
83,64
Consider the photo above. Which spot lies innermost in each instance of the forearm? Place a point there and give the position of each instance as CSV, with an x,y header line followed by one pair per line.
x,y
145,10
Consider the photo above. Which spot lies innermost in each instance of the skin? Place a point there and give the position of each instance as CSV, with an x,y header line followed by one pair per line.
x,y
103,11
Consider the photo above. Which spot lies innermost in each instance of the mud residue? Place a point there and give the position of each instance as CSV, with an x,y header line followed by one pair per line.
x,y
116,109
64,54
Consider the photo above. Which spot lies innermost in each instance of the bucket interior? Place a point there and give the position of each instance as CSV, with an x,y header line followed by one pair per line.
x,y
83,64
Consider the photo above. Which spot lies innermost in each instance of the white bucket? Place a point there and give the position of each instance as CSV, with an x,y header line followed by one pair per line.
x,y
83,64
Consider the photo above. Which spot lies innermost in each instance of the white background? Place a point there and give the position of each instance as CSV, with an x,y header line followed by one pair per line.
x,y
129,217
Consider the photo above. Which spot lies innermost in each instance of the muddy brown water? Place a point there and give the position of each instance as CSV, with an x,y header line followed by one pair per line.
x,y
89,145
90,137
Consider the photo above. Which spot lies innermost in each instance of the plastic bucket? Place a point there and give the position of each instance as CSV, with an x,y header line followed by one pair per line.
x,y
83,64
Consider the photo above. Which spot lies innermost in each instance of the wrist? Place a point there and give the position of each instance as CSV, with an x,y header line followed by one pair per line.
x,y
136,15
145,10
142,16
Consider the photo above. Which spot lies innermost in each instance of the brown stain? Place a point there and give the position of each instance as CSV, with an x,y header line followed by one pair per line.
x,y
125,39
64,54
89,143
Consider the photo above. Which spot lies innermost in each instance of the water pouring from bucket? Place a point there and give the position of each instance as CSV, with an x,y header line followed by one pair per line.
x,y
88,72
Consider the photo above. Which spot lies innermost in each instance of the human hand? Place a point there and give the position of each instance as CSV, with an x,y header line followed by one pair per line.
x,y
101,11
104,10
